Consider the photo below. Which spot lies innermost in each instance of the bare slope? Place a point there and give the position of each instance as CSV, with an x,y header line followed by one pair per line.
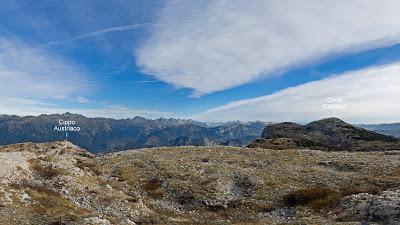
x,y
59,183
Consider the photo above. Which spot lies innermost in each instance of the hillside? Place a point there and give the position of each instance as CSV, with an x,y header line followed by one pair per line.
x,y
107,135
329,134
60,183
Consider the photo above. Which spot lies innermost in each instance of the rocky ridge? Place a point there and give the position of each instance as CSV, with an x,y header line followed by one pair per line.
x,y
330,134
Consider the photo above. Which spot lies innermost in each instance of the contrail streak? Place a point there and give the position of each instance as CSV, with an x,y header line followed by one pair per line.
x,y
104,31
147,81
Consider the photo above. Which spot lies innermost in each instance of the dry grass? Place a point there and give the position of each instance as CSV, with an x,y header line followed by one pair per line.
x,y
49,204
57,209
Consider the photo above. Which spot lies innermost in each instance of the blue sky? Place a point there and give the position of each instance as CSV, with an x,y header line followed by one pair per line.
x,y
211,60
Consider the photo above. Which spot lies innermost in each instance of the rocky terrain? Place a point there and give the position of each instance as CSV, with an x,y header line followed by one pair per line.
x,y
330,134
60,183
108,135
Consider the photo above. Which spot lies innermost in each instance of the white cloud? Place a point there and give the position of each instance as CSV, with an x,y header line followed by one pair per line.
x,y
34,81
82,100
32,107
370,96
25,71
214,45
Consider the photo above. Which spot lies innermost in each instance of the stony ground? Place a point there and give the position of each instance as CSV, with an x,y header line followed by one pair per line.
x,y
59,183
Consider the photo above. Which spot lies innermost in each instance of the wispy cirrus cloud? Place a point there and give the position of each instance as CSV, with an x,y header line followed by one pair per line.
x,y
370,96
214,45
39,74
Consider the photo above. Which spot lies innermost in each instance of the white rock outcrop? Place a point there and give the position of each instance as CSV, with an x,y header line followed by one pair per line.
x,y
366,207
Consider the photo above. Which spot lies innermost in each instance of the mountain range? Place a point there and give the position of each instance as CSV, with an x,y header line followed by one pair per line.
x,y
101,135
392,129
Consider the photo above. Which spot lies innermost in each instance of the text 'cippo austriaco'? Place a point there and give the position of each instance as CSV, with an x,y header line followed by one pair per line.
x,y
67,125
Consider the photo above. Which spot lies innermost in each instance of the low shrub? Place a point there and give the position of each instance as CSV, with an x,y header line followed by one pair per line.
x,y
153,188
152,184
320,197
317,197
93,167
47,171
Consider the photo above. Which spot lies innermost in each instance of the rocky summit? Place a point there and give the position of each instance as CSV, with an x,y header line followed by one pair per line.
x,y
60,183
330,134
